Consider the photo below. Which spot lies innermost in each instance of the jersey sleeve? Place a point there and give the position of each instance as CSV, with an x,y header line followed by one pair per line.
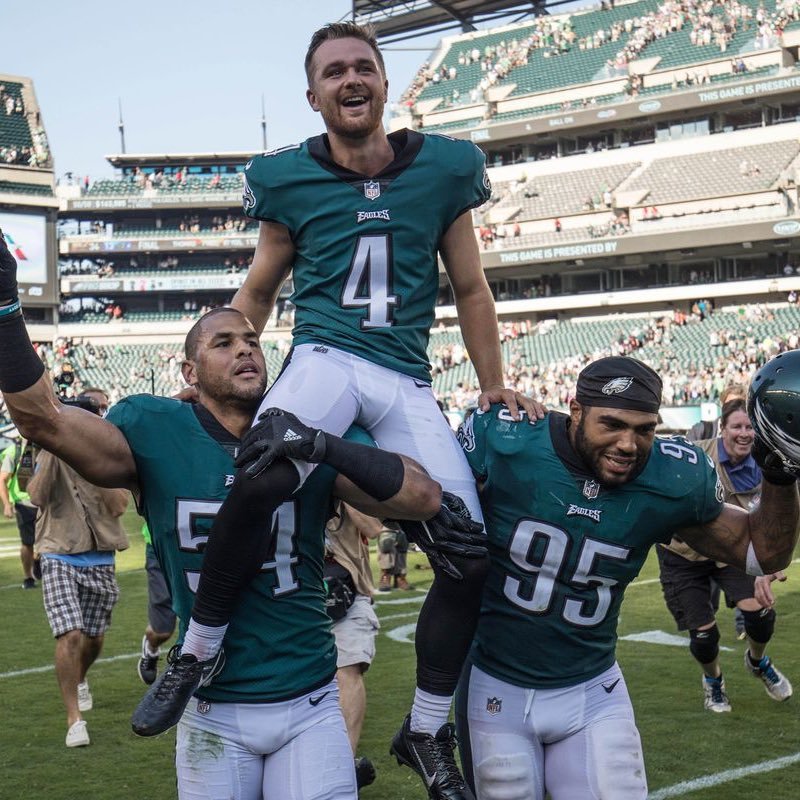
x,y
262,193
476,188
472,438
704,502
122,415
481,185
463,166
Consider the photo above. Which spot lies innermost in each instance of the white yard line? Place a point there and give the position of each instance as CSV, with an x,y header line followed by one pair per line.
x,y
706,782
17,673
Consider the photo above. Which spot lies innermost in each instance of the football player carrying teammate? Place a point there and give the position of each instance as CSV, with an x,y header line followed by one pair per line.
x,y
572,507
273,720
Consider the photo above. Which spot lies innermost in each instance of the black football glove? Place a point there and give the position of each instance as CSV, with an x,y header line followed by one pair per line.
x,y
451,532
279,434
773,466
8,272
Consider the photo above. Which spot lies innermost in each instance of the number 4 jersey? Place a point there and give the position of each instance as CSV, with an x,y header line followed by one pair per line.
x,y
278,644
563,548
366,272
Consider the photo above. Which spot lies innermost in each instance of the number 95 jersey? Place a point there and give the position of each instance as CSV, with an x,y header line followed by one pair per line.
x,y
563,548
366,272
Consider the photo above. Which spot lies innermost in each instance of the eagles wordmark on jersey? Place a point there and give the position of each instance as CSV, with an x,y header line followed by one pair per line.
x,y
563,548
366,268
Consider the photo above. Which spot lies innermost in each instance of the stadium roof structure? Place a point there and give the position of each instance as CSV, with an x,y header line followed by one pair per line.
x,y
142,159
395,21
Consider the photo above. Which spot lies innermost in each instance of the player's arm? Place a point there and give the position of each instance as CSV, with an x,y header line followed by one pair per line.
x,y
478,318
89,444
5,498
271,265
418,497
761,540
383,483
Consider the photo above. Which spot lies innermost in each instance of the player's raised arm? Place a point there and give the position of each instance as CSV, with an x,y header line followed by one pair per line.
x,y
85,441
478,318
763,539
272,262
758,541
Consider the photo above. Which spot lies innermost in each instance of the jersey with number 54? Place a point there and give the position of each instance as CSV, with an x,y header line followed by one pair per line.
x,y
563,548
366,270
278,644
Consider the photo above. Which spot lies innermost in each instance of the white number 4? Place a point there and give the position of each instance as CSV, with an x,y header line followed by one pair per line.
x,y
368,281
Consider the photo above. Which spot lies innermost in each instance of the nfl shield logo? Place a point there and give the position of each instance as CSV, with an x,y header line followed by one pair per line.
x,y
591,489
372,190
203,707
494,705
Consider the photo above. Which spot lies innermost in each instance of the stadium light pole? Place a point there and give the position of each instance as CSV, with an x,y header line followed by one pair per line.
x,y
263,125
121,125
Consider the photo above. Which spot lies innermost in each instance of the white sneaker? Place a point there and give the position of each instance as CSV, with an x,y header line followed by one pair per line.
x,y
85,701
775,682
77,735
715,698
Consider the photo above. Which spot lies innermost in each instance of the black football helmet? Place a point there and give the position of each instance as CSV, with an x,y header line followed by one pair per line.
x,y
773,405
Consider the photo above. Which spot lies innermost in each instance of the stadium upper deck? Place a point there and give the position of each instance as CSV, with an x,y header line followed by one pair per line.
x,y
635,60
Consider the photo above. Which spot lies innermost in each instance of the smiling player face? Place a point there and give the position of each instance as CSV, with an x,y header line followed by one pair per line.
x,y
614,442
348,88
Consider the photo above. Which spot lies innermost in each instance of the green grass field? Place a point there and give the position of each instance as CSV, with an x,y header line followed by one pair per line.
x,y
682,742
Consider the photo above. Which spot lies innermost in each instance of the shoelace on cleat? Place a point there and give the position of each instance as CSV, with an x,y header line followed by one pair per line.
x,y
770,674
445,763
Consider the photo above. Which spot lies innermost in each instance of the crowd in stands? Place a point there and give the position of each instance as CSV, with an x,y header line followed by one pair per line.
x,y
10,104
20,154
710,22
102,268
734,354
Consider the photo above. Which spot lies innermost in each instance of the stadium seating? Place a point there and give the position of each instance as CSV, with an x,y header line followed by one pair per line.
x,y
561,194
193,184
688,350
136,368
715,174
14,128
11,187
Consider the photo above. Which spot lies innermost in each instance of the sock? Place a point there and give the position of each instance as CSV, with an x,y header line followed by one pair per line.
x,y
203,641
147,652
429,712
756,662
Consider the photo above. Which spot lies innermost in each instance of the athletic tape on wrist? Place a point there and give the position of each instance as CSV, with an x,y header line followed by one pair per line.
x,y
752,567
13,307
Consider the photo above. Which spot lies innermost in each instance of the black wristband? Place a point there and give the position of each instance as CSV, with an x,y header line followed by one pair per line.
x,y
20,367
377,472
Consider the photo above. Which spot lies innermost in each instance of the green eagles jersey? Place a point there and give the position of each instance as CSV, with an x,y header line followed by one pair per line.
x,y
563,548
366,272
278,644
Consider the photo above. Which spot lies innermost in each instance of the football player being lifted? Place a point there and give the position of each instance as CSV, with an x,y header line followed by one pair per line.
x,y
359,217
572,507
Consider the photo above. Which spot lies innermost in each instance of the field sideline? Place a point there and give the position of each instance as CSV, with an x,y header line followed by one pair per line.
x,y
689,752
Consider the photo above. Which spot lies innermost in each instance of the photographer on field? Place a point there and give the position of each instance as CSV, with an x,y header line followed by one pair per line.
x,y
78,532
